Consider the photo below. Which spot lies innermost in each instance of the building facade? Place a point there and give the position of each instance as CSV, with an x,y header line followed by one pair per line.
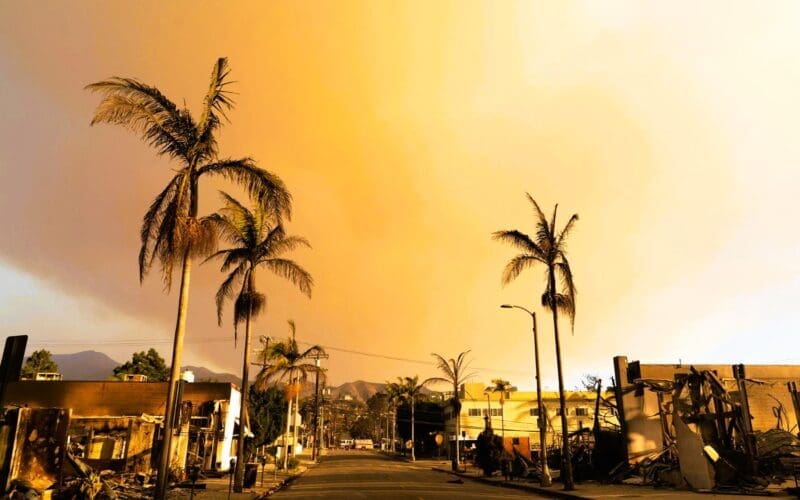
x,y
517,414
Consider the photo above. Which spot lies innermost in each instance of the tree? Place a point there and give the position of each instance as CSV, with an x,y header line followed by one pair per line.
x,y
38,362
454,374
259,241
266,414
588,382
378,415
291,365
411,390
171,231
148,363
503,387
548,248
394,395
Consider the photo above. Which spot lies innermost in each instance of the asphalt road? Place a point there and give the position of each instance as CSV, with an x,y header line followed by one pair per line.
x,y
366,474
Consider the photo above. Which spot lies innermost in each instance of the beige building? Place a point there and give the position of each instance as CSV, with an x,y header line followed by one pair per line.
x,y
517,416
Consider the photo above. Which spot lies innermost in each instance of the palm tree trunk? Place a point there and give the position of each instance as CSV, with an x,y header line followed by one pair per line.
x,y
413,441
457,408
394,428
566,473
295,419
286,436
238,481
502,422
174,377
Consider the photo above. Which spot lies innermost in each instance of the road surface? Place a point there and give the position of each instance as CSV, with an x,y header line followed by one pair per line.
x,y
366,474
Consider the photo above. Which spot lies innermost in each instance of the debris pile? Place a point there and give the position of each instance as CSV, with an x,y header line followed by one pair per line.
x,y
708,441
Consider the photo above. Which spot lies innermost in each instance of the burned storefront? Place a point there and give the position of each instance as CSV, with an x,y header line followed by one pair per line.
x,y
111,425
709,427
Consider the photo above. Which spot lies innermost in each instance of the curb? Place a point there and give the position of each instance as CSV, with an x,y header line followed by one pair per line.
x,y
285,483
552,493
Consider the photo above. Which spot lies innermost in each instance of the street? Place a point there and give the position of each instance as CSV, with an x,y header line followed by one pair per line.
x,y
366,474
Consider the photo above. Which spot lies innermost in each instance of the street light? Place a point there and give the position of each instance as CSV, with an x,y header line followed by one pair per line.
x,y
545,478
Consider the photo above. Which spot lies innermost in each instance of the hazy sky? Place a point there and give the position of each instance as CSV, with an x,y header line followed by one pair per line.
x,y
407,133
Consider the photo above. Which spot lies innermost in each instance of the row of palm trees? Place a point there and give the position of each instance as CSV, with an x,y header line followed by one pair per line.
x,y
174,234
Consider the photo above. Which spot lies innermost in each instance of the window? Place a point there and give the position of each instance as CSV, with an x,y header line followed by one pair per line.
x,y
558,412
581,412
534,412
478,412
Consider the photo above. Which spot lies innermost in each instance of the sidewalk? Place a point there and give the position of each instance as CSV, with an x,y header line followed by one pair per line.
x,y
267,483
593,490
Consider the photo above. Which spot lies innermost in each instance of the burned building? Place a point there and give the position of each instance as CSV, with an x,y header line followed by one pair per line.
x,y
720,424
112,425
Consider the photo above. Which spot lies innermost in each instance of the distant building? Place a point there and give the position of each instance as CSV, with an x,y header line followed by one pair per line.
x,y
48,376
518,415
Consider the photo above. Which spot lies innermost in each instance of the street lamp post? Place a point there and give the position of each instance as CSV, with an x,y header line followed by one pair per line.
x,y
546,480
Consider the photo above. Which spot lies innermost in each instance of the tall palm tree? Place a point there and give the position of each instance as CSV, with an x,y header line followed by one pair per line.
x,y
258,240
394,394
171,231
291,365
503,387
411,390
454,370
548,247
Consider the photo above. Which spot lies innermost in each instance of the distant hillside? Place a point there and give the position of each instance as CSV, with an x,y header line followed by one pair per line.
x,y
85,365
93,365
205,375
359,389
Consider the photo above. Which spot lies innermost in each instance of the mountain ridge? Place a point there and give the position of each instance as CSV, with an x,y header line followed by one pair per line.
x,y
92,365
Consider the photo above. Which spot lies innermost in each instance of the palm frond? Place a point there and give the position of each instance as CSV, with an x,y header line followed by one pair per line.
x,y
241,220
225,227
543,233
287,244
266,188
216,102
249,304
152,219
145,110
291,271
560,241
201,236
552,229
264,247
516,265
167,245
227,289
564,304
445,366
519,240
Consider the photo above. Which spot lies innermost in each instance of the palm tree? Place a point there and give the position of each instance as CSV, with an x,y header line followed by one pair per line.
x,y
394,394
548,248
411,389
259,241
291,365
453,370
503,387
171,231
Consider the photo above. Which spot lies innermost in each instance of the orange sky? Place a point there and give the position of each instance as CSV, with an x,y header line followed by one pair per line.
x,y
408,132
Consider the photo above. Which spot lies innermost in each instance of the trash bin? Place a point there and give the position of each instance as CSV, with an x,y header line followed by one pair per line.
x,y
250,474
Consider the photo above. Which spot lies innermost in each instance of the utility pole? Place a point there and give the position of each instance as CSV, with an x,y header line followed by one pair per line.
x,y
317,358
